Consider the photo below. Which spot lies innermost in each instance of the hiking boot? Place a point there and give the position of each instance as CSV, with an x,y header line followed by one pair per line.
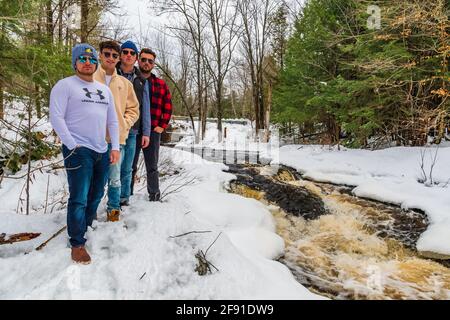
x,y
124,203
113,215
80,255
154,196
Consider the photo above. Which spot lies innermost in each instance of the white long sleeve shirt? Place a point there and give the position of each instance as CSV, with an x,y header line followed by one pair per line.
x,y
81,112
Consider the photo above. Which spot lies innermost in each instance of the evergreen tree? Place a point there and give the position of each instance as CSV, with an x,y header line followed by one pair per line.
x,y
279,33
389,83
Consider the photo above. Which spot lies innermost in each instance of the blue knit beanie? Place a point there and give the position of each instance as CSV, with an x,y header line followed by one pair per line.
x,y
129,45
83,49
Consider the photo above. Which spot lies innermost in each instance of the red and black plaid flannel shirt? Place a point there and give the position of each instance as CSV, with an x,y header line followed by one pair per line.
x,y
161,103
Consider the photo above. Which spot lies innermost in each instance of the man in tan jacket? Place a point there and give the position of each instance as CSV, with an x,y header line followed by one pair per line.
x,y
127,109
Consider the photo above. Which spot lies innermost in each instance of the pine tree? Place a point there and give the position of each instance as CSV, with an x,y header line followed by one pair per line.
x,y
279,33
389,84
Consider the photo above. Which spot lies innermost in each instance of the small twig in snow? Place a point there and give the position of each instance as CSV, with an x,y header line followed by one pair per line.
x,y
212,243
46,194
185,234
51,238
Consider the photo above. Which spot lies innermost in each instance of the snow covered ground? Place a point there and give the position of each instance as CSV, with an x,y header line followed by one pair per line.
x,y
391,175
136,258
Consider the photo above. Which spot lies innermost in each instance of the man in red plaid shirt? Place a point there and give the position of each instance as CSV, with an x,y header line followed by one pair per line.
x,y
161,111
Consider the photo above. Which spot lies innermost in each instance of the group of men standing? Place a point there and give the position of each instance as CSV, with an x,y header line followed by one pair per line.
x,y
105,115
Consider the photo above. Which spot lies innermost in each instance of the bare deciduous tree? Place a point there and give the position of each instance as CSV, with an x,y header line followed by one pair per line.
x,y
255,18
192,34
224,33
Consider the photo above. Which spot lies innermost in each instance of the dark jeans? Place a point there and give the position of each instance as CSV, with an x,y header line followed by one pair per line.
x,y
151,157
87,175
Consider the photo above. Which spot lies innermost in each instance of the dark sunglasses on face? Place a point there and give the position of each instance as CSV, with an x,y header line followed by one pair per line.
x,y
126,52
108,54
144,60
83,59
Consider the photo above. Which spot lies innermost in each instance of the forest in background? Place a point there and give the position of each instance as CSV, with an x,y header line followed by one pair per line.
x,y
323,71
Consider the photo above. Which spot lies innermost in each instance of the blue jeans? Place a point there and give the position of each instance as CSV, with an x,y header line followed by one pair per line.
x,y
114,182
119,182
127,166
87,174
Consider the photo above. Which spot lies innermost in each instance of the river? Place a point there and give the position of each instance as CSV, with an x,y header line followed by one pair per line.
x,y
342,246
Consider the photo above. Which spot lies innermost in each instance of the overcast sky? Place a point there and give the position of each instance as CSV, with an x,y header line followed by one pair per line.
x,y
146,26
142,19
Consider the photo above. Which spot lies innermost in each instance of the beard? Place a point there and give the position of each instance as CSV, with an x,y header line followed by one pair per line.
x,y
145,70
86,73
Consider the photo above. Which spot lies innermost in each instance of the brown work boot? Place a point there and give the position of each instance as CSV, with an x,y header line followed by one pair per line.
x,y
80,255
113,215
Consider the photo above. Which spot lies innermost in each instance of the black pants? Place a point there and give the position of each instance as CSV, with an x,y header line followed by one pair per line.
x,y
151,157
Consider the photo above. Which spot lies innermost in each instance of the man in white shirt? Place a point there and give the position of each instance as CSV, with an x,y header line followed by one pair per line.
x,y
81,111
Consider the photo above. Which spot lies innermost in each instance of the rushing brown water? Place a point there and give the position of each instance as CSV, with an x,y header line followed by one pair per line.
x,y
342,246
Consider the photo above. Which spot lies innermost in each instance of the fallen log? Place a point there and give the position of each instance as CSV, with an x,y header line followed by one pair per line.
x,y
17,237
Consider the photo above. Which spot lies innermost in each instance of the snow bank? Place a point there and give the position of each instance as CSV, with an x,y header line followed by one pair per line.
x,y
389,175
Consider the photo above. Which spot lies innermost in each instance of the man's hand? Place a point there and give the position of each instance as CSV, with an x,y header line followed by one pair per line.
x,y
114,156
159,130
145,141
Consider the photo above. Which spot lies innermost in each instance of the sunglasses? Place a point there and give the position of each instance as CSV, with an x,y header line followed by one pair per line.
x,y
126,52
109,54
144,60
83,59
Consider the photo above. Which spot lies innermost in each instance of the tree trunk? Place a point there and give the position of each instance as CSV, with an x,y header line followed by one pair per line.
x,y
233,104
49,23
205,107
198,137
267,118
84,5
333,130
219,110
37,101
201,109
67,42
29,158
60,23
261,97
256,106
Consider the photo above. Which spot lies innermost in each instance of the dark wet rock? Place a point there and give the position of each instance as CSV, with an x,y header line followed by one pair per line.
x,y
295,200
405,226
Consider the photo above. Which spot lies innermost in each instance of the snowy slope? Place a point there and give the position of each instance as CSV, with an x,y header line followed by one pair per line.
x,y
389,175
136,258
